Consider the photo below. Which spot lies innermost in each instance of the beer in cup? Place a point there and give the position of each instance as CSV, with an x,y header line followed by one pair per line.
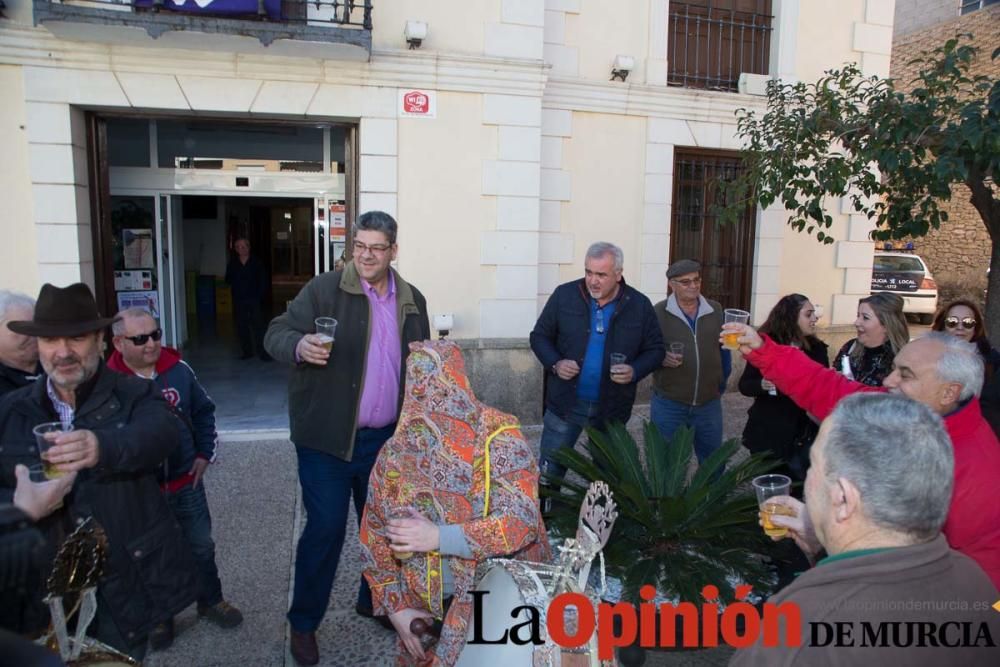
x,y
326,328
51,472
767,487
730,339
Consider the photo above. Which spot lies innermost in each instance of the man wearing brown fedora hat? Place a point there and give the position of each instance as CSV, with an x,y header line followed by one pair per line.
x,y
121,431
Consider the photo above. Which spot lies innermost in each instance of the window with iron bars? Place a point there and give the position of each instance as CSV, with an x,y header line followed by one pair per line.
x,y
711,42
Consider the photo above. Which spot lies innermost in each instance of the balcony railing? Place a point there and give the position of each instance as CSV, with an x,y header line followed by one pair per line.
x,y
711,42
344,21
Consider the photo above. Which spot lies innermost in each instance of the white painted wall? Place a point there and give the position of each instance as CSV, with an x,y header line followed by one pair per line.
x,y
18,252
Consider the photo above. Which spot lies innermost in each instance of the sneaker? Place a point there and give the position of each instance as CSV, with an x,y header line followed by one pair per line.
x,y
222,614
161,636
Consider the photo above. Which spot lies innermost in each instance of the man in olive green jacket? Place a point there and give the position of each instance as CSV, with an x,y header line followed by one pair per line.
x,y
687,389
343,404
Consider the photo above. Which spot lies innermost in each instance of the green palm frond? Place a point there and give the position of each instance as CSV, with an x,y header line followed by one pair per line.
x,y
676,533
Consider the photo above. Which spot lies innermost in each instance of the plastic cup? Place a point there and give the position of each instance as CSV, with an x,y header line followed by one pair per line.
x,y
36,473
616,359
44,444
326,330
677,348
730,340
401,513
767,487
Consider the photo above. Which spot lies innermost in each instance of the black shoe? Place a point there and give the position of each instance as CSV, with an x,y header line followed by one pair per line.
x,y
266,357
245,356
161,636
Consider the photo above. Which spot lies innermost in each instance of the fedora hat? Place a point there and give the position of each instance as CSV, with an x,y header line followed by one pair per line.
x,y
63,311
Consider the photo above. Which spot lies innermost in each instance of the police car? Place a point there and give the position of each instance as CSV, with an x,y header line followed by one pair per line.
x,y
907,275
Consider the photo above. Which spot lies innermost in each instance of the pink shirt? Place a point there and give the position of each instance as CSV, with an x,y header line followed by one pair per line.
x,y
380,392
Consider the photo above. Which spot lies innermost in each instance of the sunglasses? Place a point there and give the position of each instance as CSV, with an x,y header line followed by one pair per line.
x,y
966,322
142,338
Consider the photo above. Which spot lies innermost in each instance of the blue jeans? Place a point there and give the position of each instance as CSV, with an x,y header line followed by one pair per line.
x,y
328,484
558,432
706,419
190,507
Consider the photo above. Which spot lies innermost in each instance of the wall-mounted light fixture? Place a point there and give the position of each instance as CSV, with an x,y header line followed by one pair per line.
x,y
443,324
621,67
415,33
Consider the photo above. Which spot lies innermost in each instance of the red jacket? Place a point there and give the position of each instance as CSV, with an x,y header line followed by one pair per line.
x,y
973,523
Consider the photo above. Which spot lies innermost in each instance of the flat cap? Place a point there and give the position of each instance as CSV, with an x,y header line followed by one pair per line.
x,y
683,266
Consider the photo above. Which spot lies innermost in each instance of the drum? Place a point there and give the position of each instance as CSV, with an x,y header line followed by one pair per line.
x,y
510,584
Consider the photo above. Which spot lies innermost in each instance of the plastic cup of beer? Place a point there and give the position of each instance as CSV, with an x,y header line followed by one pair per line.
x,y
326,329
767,487
401,513
730,339
43,442
616,359
36,473
677,349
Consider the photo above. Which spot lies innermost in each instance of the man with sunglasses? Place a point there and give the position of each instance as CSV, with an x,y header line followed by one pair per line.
x,y
687,387
583,325
343,404
138,352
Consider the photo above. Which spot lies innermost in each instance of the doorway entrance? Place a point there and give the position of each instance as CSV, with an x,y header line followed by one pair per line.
x,y
171,198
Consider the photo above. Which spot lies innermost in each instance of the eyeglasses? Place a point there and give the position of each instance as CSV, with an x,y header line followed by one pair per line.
x,y
376,248
687,282
966,322
142,338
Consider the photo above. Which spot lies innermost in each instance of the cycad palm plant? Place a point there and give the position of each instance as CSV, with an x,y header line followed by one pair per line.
x,y
674,533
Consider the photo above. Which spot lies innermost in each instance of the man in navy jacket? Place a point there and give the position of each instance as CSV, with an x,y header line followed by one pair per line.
x,y
138,352
583,324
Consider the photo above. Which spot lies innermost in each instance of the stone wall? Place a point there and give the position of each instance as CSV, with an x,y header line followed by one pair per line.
x,y
911,16
959,253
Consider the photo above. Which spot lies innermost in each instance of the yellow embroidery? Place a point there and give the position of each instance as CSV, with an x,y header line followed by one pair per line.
x,y
508,427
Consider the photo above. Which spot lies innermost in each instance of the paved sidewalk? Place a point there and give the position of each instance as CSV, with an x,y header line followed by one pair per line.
x,y
253,493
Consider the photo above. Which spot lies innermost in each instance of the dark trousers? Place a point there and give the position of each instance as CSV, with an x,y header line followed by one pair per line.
x,y
559,433
190,507
328,484
250,327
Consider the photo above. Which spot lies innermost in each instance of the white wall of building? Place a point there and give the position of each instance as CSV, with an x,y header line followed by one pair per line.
x,y
533,154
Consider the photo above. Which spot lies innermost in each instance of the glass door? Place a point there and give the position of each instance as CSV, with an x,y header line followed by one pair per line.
x,y
170,268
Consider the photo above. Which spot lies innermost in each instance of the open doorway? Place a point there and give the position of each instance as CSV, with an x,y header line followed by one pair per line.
x,y
280,232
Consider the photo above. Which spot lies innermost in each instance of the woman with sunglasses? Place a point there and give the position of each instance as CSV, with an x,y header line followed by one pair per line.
x,y
775,423
963,319
882,332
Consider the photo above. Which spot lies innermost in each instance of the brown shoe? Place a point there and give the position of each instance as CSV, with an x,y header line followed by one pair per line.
x,y
222,614
304,648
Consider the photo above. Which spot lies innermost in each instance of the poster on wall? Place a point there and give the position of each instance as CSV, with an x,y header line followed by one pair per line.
x,y
147,300
137,247
338,216
126,281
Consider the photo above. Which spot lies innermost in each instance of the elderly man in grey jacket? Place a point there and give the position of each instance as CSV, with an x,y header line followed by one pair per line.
x,y
889,590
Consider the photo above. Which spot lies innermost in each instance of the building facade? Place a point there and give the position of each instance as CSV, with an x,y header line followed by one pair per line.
x,y
140,140
959,253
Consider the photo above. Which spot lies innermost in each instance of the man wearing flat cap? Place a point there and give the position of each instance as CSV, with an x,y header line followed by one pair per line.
x,y
122,430
688,386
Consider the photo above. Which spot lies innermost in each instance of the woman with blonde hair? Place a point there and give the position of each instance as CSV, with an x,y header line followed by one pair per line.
x,y
882,332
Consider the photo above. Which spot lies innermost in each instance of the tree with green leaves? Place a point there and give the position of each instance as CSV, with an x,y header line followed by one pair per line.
x,y
894,154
